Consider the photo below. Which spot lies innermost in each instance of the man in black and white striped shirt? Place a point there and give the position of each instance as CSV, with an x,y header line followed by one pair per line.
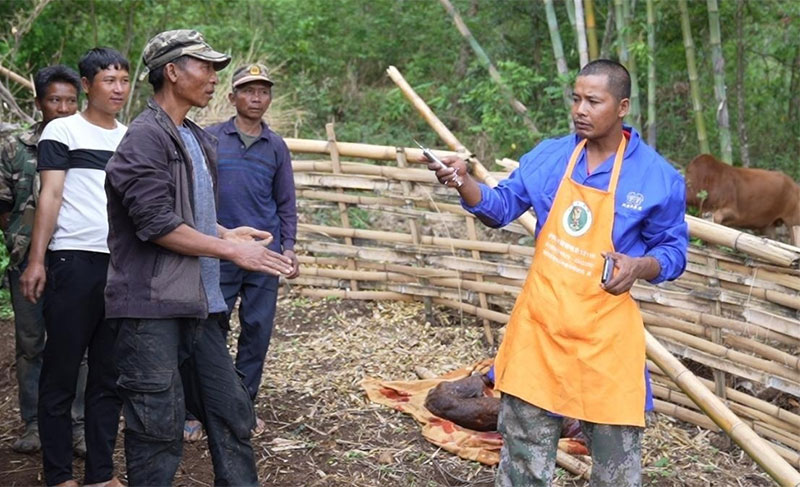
x,y
69,235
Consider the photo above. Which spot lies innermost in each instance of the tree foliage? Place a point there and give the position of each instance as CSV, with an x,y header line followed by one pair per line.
x,y
330,56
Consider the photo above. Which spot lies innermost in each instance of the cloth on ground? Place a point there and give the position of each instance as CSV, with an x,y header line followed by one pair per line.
x,y
409,397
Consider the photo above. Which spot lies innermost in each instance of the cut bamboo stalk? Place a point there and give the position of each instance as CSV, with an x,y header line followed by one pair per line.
x,y
776,429
336,167
705,358
412,175
402,161
742,343
744,329
685,414
770,321
740,398
784,277
745,242
360,275
496,247
689,416
364,151
17,78
362,295
527,220
723,352
474,310
756,447
487,329
377,201
745,276
573,465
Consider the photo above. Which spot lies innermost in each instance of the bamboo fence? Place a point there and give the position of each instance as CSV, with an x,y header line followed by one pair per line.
x,y
376,225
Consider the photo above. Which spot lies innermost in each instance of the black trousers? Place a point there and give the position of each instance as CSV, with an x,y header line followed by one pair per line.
x,y
74,311
169,366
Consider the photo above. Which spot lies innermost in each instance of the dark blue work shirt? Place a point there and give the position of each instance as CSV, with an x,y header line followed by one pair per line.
x,y
256,184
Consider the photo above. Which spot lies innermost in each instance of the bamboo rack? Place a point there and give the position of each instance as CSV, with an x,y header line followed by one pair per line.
x,y
375,225
749,298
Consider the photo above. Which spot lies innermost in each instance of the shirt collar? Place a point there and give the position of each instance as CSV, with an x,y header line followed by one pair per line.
x,y
230,129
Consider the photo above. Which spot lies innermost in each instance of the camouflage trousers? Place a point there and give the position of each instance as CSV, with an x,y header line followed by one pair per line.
x,y
530,440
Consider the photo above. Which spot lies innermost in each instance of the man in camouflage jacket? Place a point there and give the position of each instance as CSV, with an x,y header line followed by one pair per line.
x,y
57,89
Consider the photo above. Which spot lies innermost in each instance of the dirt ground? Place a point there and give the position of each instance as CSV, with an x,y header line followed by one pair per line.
x,y
322,431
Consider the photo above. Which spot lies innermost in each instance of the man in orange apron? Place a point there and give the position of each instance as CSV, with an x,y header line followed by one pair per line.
x,y
575,346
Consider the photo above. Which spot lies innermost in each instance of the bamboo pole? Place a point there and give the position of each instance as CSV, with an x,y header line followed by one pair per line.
x,y
496,247
738,397
652,130
378,201
691,67
624,25
744,151
737,240
402,162
355,149
718,61
558,53
756,447
17,79
591,29
735,341
517,105
573,465
580,28
336,167
526,219
741,327
400,174
360,295
724,354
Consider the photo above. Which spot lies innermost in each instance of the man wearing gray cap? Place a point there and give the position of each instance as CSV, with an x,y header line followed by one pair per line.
x,y
256,188
163,282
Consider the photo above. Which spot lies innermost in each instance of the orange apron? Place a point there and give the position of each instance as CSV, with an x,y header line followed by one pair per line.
x,y
570,347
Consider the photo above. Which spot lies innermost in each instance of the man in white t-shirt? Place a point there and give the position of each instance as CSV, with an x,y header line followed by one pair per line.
x,y
68,263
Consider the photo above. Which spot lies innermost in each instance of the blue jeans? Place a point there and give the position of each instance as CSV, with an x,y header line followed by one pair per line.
x,y
29,334
259,293
169,366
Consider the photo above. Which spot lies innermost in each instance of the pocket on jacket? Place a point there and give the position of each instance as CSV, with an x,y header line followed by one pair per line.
x,y
176,278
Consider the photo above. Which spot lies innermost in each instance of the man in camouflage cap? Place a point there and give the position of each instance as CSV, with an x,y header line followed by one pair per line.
x,y
172,44
163,289
57,90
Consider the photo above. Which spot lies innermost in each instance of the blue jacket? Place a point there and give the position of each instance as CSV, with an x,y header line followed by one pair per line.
x,y
650,198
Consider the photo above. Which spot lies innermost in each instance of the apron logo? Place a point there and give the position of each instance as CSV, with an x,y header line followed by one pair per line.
x,y
577,219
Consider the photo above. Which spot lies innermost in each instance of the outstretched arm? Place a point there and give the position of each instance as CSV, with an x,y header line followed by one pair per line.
x,y
250,255
494,207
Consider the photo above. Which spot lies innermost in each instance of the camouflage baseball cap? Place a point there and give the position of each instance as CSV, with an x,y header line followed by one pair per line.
x,y
251,72
172,44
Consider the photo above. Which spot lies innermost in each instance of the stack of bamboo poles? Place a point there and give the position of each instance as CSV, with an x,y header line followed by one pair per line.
x,y
375,224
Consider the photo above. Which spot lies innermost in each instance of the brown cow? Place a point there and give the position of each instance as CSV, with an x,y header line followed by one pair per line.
x,y
741,197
